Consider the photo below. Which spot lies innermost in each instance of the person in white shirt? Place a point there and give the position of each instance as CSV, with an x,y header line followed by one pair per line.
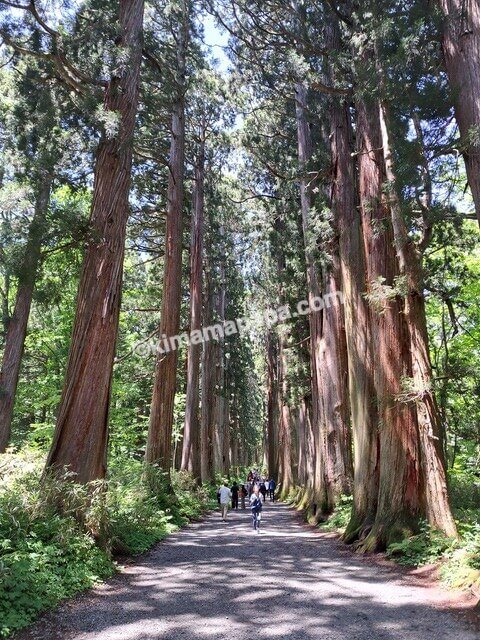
x,y
225,497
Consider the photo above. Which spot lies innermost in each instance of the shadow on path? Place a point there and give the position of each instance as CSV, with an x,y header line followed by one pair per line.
x,y
220,580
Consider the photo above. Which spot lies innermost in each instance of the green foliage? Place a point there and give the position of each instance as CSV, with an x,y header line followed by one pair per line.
x,y
340,518
45,555
426,547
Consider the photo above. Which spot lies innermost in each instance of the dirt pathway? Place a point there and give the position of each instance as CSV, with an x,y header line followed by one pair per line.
x,y
216,580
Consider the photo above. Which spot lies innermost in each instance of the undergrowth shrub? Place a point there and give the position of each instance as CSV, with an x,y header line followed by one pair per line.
x,y
426,547
339,519
45,555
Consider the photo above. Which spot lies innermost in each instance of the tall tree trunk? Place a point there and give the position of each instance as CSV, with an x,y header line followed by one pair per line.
x,y
17,324
227,426
285,466
207,430
357,318
301,432
80,439
219,411
358,323
338,446
159,440
191,432
316,491
461,49
429,421
271,412
399,502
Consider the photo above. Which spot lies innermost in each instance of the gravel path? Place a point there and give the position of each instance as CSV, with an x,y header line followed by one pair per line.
x,y
216,580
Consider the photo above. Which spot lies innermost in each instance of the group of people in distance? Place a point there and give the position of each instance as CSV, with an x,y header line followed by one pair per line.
x,y
255,490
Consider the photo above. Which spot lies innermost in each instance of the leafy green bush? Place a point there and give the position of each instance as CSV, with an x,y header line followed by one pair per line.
x,y
426,547
340,517
45,555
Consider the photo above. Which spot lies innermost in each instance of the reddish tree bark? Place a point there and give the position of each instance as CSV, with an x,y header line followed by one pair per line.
x,y
399,498
315,493
422,394
285,444
272,413
159,439
358,322
191,431
461,49
207,428
356,312
80,439
338,446
219,390
17,324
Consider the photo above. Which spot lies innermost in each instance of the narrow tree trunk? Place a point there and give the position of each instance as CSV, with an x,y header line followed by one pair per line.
x,y
17,324
227,426
272,446
219,413
429,421
191,439
80,439
461,48
159,441
285,470
207,431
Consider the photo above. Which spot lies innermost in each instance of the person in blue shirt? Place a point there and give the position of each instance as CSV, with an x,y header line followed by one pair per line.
x,y
271,489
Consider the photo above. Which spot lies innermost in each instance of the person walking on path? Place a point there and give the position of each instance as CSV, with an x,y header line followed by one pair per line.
x,y
234,491
271,489
263,490
243,494
256,508
225,495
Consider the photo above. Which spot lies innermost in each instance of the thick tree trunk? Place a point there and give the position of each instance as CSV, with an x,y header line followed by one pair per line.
x,y
191,432
159,440
338,447
17,324
397,449
80,439
301,419
461,48
358,321
429,421
315,493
